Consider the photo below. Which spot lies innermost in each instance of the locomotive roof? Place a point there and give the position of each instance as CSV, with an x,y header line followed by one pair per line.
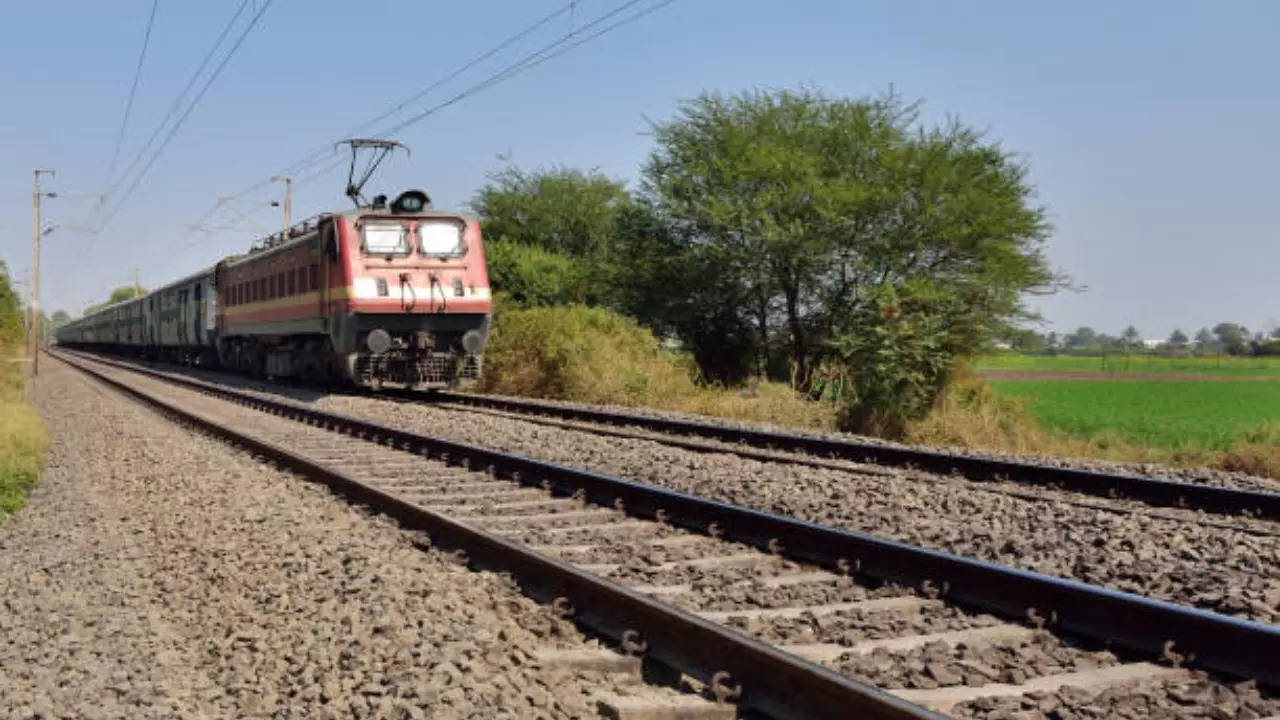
x,y
183,281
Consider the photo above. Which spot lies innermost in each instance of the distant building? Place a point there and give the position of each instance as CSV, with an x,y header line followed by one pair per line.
x,y
1152,343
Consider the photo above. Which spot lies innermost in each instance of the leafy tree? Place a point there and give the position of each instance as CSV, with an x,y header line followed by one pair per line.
x,y
12,327
1131,337
1205,339
1083,338
1026,340
1178,339
1234,338
562,210
533,276
823,214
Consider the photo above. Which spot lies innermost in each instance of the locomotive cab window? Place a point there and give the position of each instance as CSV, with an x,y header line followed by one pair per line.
x,y
385,239
441,238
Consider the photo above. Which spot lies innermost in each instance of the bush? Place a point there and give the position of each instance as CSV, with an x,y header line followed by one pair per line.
x,y
579,353
888,368
22,440
592,355
532,276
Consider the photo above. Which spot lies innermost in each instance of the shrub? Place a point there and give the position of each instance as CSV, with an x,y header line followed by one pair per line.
x,y
532,276
887,369
589,354
579,353
22,442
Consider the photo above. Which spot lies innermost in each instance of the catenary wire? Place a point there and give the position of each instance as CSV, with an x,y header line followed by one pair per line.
x,y
182,96
182,118
133,91
320,154
538,57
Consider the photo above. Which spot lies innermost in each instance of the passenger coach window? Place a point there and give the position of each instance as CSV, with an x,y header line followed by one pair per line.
x,y
314,271
280,291
293,282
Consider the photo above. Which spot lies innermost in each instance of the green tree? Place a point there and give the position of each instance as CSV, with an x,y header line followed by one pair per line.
x,y
562,210
1234,338
1084,338
1026,340
1178,339
534,276
12,327
1131,337
819,211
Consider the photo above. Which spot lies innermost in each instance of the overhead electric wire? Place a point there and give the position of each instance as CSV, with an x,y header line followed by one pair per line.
x,y
182,96
318,156
187,113
133,91
546,53
532,60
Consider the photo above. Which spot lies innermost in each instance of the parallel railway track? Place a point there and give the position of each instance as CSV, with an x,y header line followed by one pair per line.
x,y
788,612
773,445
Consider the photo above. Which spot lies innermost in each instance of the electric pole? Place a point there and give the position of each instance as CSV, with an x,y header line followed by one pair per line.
x,y
35,272
288,201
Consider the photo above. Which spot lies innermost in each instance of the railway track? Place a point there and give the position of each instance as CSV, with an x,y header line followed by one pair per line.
x,y
820,451
781,617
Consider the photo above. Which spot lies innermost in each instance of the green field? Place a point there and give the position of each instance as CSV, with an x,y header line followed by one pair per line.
x,y
1212,365
1210,415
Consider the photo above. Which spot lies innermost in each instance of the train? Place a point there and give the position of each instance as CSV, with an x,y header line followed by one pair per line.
x,y
387,294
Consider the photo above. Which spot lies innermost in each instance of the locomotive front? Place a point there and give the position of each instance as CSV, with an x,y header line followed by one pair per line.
x,y
417,306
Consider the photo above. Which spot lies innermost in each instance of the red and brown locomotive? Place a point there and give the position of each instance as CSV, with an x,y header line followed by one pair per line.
x,y
387,293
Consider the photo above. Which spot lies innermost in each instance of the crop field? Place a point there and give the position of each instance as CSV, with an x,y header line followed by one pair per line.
x,y
1212,415
1132,364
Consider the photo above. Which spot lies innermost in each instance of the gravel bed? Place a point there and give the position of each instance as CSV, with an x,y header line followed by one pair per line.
x,y
1198,698
158,573
1200,475
940,664
707,596
1227,571
849,628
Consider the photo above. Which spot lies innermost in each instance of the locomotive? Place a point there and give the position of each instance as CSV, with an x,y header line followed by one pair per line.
x,y
386,294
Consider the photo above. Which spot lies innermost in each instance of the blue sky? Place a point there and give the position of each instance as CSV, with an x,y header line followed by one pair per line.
x,y
1150,127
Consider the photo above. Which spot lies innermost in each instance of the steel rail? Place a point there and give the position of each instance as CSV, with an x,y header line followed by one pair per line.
x,y
773,682
1144,626
1166,493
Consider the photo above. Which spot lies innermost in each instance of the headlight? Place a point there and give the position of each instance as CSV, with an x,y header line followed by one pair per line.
x,y
473,342
440,237
378,341
385,239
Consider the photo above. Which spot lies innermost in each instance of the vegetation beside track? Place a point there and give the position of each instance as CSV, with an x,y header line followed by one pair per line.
x,y
592,355
22,432
1224,425
1144,364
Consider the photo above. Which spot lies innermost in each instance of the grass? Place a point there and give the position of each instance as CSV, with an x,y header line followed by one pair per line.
x,y
591,355
1209,365
1172,415
1185,424
22,441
